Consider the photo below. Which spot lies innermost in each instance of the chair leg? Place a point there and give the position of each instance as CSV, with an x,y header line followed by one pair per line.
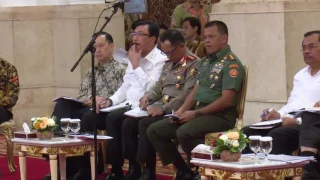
x,y
104,145
9,135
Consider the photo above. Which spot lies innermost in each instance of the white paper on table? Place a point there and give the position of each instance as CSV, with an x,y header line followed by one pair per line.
x,y
136,112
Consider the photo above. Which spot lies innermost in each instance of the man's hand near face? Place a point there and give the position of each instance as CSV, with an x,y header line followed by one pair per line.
x,y
134,57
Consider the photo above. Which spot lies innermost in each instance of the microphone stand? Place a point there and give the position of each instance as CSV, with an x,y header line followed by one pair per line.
x,y
93,85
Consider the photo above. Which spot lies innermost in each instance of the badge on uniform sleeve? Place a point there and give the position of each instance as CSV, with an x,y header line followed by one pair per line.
x,y
193,71
233,72
178,78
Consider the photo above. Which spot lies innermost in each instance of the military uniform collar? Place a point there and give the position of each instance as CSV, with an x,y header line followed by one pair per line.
x,y
183,60
221,54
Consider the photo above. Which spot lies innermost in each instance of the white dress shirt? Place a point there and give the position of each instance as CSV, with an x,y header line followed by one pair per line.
x,y
137,81
305,92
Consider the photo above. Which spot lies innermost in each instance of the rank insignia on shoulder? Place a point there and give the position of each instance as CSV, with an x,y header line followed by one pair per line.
x,y
230,57
233,72
193,72
191,58
233,66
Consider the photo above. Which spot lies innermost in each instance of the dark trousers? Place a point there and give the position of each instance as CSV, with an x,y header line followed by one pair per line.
x,y
189,135
68,109
88,118
285,138
113,123
135,142
5,115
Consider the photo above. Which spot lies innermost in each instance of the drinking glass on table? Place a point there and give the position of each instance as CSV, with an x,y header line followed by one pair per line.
x,y
75,126
65,126
266,146
255,145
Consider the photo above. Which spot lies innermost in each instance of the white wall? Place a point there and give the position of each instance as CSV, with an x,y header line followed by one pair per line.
x,y
15,3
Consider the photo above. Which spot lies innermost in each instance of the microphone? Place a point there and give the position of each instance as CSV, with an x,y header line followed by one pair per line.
x,y
117,4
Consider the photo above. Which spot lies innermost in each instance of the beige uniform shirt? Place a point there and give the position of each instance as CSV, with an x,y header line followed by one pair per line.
x,y
175,83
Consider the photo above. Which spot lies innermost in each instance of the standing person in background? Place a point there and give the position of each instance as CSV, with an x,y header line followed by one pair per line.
x,y
195,8
191,30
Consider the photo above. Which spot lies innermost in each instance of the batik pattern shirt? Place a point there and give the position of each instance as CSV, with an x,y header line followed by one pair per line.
x,y
109,78
9,85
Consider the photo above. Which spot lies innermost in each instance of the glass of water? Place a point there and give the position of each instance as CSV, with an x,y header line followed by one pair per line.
x,y
65,126
75,126
255,145
266,146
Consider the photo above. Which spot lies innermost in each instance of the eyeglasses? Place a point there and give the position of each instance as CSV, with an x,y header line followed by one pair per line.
x,y
170,52
309,47
139,34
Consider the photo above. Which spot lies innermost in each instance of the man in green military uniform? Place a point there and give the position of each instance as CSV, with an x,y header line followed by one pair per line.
x,y
175,83
9,89
210,106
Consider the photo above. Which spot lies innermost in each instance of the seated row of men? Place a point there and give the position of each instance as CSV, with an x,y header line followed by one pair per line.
x,y
204,94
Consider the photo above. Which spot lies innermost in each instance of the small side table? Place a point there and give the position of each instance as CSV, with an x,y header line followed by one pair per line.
x,y
54,148
272,170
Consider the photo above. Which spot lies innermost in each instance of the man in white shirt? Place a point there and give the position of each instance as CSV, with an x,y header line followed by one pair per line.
x,y
305,94
144,69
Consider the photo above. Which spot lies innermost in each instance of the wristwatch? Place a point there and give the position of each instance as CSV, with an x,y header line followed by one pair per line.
x,y
198,113
299,121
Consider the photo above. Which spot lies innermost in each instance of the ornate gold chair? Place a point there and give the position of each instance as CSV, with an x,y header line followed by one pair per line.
x,y
240,110
6,129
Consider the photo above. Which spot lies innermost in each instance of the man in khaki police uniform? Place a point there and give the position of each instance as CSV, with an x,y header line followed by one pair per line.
x,y
210,107
175,83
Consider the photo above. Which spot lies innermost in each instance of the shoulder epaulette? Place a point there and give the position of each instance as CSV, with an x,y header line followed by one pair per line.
x,y
230,57
191,58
